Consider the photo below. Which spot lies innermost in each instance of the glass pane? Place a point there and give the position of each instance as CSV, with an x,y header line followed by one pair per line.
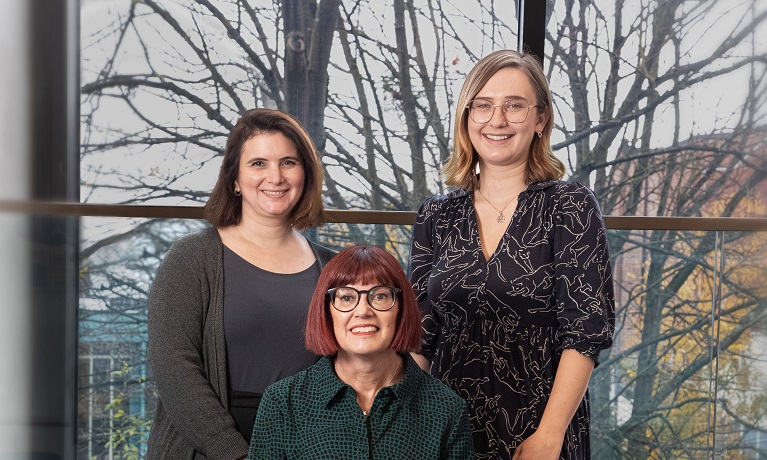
x,y
741,410
118,260
653,392
660,105
163,82
393,238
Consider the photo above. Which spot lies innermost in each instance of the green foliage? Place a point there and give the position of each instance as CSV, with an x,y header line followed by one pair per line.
x,y
129,432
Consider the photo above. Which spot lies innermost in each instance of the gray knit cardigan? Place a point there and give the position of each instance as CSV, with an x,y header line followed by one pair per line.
x,y
188,355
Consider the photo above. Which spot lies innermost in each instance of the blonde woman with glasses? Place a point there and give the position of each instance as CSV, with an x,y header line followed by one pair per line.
x,y
512,272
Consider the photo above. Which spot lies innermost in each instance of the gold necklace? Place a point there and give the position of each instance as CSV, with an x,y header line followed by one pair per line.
x,y
501,218
365,412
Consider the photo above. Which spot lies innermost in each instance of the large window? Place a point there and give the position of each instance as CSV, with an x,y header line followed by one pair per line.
x,y
659,107
375,83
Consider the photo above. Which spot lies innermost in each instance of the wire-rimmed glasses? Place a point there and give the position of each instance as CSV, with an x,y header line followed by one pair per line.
x,y
380,298
482,111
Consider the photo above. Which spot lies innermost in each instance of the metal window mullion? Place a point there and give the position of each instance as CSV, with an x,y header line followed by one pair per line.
x,y
715,328
531,27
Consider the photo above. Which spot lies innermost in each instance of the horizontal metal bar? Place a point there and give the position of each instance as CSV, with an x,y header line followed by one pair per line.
x,y
101,210
733,224
707,224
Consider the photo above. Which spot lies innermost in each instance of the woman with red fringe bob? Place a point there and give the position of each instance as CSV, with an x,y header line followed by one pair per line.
x,y
366,395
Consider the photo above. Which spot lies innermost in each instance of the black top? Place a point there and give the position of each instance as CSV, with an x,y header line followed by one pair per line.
x,y
264,322
495,329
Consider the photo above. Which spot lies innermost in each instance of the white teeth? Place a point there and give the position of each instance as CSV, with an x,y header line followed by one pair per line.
x,y
273,193
365,329
497,138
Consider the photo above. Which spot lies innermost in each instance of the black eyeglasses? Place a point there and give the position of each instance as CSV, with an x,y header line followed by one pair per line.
x,y
346,298
482,111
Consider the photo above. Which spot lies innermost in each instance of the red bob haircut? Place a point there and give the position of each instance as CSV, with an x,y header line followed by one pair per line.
x,y
362,265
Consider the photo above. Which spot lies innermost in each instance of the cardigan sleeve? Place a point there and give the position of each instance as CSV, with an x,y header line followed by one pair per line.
x,y
179,301
422,247
583,274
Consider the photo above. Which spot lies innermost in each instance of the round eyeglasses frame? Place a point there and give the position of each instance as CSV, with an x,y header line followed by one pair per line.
x,y
369,292
492,114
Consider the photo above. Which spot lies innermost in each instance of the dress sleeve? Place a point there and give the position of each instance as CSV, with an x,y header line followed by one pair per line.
x,y
419,270
583,274
269,429
177,305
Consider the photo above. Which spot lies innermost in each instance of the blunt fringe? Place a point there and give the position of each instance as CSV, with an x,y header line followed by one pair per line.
x,y
362,265
224,208
542,165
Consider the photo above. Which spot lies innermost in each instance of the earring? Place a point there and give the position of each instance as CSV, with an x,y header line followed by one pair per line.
x,y
540,134
237,192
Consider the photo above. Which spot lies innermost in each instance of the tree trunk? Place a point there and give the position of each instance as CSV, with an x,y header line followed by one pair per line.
x,y
308,41
414,134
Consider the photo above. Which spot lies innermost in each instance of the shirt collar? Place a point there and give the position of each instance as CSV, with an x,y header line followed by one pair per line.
x,y
408,386
334,388
328,382
535,186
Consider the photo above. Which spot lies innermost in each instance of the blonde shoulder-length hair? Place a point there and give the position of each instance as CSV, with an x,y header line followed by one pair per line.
x,y
542,165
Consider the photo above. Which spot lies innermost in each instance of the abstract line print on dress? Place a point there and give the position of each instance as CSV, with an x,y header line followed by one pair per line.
x,y
494,329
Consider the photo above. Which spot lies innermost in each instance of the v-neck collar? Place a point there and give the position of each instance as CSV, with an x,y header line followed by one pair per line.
x,y
474,222
474,225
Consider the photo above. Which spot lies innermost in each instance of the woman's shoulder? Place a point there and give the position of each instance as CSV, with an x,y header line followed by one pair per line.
x,y
436,395
432,386
567,193
575,188
562,187
456,194
196,241
200,245
437,203
302,387
323,253
309,376
283,386
281,389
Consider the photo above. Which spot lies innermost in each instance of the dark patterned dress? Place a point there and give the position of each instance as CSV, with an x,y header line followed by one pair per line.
x,y
495,329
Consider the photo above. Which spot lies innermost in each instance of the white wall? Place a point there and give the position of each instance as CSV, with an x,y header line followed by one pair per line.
x,y
15,333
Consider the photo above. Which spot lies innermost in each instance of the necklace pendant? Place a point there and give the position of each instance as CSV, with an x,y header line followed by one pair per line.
x,y
500,217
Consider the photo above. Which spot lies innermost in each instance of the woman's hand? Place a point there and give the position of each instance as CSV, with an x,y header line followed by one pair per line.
x,y
539,446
